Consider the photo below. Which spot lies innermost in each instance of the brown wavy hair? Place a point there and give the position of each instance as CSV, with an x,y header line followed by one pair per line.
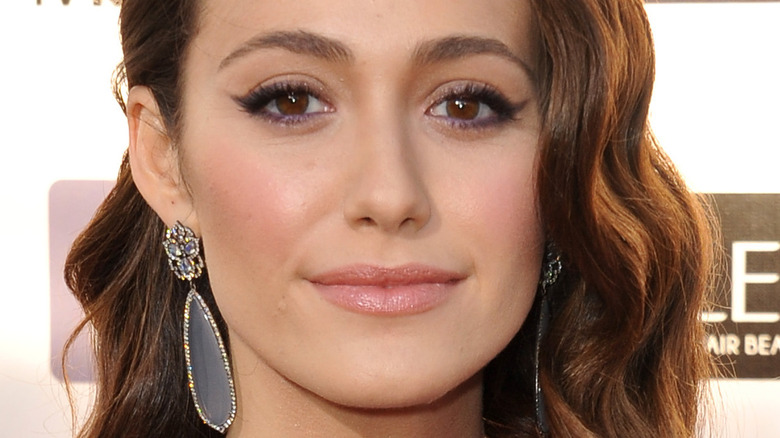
x,y
624,355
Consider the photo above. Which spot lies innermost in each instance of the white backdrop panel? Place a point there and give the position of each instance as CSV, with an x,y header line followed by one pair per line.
x,y
715,111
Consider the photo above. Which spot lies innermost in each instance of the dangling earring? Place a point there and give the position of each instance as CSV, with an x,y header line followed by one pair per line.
x,y
208,368
551,270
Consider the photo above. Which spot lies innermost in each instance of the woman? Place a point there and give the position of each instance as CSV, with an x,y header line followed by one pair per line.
x,y
375,184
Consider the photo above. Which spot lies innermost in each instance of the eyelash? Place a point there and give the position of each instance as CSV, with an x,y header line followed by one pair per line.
x,y
503,109
258,100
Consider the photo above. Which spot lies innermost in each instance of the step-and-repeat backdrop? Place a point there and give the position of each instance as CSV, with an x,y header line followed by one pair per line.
x,y
715,111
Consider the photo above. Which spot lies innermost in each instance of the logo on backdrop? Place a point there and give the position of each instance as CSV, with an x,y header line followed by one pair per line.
x,y
744,333
94,2
709,1
745,330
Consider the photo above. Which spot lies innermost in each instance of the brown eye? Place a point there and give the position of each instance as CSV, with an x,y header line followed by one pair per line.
x,y
462,109
471,105
465,109
292,104
284,102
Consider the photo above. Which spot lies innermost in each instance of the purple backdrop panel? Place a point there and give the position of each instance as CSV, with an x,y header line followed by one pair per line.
x,y
71,206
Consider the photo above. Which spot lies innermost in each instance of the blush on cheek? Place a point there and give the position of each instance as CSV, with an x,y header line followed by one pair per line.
x,y
245,207
508,208
517,218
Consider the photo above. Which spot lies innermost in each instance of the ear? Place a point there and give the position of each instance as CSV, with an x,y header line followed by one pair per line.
x,y
154,161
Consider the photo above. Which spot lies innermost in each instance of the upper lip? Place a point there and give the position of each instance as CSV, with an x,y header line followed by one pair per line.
x,y
371,275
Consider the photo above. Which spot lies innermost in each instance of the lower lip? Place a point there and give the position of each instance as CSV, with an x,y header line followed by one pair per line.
x,y
394,300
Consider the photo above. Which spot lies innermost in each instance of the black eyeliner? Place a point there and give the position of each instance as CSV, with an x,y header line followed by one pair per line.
x,y
257,102
504,110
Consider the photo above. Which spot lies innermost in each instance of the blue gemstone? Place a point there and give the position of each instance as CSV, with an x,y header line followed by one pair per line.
x,y
173,250
191,248
185,267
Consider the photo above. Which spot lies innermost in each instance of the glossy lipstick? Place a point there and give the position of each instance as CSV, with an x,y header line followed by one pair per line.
x,y
402,290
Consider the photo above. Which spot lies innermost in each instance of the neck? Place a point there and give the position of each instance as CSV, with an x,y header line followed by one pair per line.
x,y
271,406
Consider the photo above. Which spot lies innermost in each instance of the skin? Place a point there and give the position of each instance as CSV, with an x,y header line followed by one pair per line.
x,y
379,171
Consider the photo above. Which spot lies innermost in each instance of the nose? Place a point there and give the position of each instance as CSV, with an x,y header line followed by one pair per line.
x,y
387,191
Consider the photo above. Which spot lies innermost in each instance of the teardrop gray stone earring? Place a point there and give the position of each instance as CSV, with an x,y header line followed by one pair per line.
x,y
551,270
208,367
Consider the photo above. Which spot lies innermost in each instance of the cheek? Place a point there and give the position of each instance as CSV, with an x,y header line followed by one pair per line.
x,y
497,202
509,211
252,211
238,202
506,238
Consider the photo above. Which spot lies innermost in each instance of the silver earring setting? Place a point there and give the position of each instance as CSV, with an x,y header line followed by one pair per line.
x,y
551,270
183,251
208,368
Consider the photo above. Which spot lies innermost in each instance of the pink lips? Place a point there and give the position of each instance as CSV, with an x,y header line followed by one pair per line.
x,y
402,290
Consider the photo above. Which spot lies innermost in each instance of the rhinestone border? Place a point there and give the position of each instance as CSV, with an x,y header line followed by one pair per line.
x,y
222,427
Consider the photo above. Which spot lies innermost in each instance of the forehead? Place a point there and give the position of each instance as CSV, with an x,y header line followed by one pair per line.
x,y
371,29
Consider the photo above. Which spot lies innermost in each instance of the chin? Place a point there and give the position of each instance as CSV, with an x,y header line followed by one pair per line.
x,y
421,390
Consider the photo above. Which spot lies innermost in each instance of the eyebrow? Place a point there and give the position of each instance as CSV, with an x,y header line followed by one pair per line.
x,y
451,48
426,53
301,42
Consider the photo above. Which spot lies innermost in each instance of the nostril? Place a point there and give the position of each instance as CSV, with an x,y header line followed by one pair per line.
x,y
407,221
367,221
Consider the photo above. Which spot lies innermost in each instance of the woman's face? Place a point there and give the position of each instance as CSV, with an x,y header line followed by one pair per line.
x,y
362,175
